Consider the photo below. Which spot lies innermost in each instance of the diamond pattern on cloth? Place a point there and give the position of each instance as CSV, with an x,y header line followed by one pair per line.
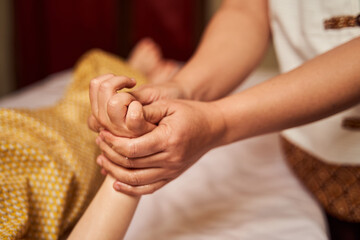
x,y
48,173
336,187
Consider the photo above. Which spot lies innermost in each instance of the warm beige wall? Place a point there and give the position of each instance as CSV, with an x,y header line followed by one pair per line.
x,y
269,61
7,82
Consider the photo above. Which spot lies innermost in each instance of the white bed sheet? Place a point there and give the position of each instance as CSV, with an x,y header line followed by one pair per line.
x,y
240,191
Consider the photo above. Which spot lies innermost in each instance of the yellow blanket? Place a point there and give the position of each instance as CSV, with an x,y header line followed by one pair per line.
x,y
47,158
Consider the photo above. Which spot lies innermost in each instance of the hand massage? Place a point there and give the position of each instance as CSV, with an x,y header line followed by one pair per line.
x,y
148,149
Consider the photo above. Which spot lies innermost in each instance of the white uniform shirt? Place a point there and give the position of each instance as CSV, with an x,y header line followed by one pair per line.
x,y
299,35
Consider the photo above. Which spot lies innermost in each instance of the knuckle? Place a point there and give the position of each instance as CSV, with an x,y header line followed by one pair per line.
x,y
174,140
118,174
115,145
133,179
175,162
113,103
94,83
105,85
131,149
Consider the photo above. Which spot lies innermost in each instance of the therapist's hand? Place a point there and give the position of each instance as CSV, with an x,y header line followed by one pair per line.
x,y
186,130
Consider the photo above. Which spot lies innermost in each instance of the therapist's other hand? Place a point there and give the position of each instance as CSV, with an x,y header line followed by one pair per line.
x,y
186,130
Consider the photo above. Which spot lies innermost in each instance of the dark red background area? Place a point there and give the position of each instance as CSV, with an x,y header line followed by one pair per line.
x,y
170,23
50,35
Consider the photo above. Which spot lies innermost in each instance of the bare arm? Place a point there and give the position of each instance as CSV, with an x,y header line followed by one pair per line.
x,y
233,44
321,87
108,215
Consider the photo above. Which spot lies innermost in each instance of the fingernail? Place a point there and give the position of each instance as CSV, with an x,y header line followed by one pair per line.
x,y
98,140
133,79
118,185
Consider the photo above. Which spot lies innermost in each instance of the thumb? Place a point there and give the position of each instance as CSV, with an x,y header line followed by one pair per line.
x,y
156,111
135,120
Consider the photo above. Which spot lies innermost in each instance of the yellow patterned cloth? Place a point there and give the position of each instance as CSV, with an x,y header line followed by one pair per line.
x,y
48,173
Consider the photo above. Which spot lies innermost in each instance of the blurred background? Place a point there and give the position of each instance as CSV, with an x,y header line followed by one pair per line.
x,y
41,37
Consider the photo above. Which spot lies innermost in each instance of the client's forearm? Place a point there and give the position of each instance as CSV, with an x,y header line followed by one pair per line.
x,y
108,215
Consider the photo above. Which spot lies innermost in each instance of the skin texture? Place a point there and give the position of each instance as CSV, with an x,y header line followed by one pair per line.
x,y
108,216
187,129
233,44
117,112
152,135
110,212
231,47
154,164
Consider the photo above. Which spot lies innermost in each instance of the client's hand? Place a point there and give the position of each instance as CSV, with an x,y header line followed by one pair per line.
x,y
186,130
126,120
118,112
